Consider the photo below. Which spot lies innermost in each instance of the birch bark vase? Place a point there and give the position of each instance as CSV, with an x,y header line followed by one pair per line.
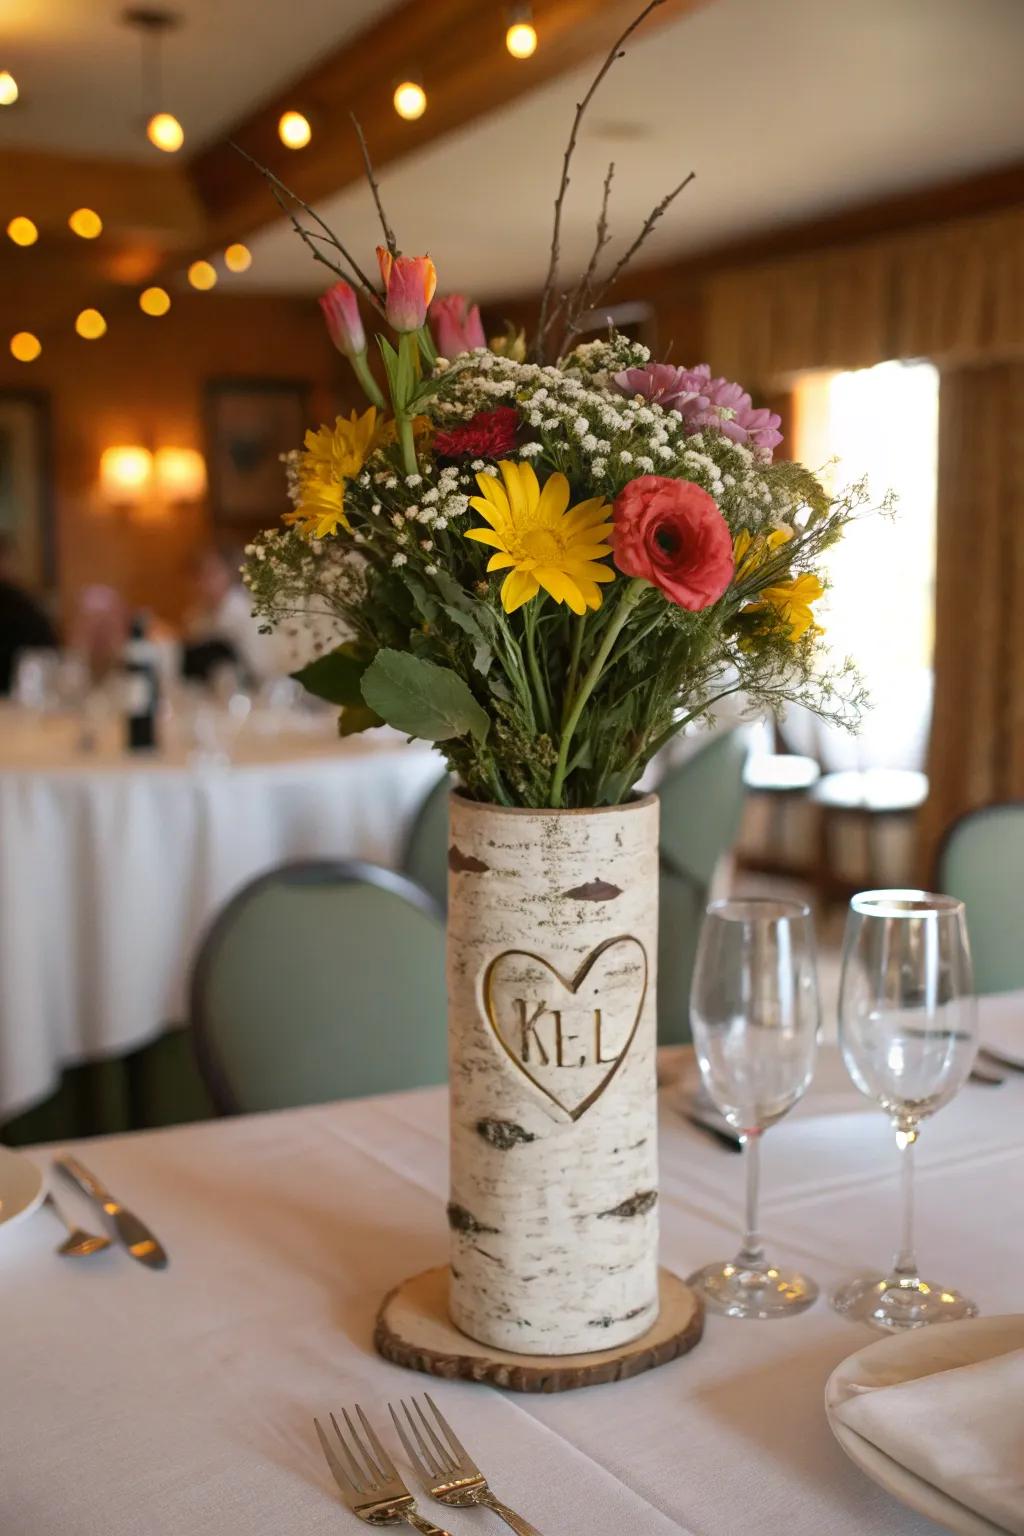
x,y
552,948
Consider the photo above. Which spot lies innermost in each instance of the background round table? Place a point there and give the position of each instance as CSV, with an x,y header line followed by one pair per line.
x,y
112,865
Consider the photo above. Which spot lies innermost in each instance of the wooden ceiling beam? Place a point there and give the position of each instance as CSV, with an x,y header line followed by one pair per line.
x,y
456,47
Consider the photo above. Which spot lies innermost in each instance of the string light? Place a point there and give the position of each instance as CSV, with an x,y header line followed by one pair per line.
x,y
202,275
22,231
294,130
25,347
165,132
90,325
8,88
85,224
154,301
238,257
410,100
521,39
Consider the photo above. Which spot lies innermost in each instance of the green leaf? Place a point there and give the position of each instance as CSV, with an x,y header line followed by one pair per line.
x,y
422,699
336,676
357,717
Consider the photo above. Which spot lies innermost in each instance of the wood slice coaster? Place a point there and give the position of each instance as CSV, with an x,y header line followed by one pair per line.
x,y
414,1329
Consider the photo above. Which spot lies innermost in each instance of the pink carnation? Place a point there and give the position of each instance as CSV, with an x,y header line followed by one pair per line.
x,y
702,402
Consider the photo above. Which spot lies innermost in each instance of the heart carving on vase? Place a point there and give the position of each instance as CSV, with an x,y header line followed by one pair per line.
x,y
568,1035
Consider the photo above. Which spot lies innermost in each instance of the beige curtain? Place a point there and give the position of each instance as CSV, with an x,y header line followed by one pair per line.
x,y
977,744
954,293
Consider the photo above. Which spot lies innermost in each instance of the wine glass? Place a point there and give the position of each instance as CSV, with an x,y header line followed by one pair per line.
x,y
754,1010
908,1031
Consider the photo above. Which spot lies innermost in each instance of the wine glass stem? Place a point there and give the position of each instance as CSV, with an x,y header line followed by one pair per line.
x,y
751,1255
905,1263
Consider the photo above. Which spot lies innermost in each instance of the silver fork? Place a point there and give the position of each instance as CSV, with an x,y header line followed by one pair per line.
x,y
372,1489
447,1470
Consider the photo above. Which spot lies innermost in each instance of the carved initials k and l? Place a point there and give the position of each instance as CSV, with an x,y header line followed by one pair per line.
x,y
563,1038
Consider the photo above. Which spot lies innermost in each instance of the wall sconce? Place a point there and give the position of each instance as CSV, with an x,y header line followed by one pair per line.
x,y
126,471
180,474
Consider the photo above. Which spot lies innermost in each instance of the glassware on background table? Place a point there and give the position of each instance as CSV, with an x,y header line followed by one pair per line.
x,y
755,1012
908,1031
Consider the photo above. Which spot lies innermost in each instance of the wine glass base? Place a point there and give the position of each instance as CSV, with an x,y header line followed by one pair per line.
x,y
893,1306
763,1292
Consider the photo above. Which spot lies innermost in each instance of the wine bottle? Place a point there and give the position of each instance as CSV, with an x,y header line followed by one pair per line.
x,y
141,688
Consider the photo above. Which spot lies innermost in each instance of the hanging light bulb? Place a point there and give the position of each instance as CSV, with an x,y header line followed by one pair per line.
x,y
22,231
165,132
238,257
410,100
202,275
154,301
294,130
8,88
90,325
521,36
25,347
85,223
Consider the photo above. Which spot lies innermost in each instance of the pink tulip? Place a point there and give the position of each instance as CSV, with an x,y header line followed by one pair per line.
x,y
409,284
457,327
344,325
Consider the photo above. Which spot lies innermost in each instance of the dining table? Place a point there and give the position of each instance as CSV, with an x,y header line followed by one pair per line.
x,y
113,863
182,1401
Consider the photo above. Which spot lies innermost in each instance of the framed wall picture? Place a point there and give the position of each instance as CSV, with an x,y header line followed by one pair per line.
x,y
26,489
250,423
635,320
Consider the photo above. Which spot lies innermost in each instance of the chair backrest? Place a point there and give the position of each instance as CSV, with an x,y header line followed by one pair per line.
x,y
681,903
425,858
701,806
320,980
981,860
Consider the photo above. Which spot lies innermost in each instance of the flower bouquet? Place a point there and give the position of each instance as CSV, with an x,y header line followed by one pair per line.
x,y
547,560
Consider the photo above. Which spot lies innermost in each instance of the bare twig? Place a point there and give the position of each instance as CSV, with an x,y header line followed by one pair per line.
x,y
389,234
627,256
281,193
544,322
576,302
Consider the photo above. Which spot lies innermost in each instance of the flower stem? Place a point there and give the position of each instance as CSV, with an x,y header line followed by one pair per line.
x,y
574,663
536,677
372,390
407,444
627,602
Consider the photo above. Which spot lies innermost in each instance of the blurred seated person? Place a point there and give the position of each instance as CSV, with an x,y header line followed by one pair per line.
x,y
221,629
24,626
99,629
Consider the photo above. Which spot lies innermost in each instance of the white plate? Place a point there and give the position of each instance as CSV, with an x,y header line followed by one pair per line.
x,y
905,1357
21,1186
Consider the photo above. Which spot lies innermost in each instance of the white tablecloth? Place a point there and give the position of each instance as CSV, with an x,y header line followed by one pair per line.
x,y
112,866
182,1402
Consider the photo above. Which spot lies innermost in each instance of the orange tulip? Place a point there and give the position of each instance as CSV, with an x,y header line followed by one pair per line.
x,y
409,284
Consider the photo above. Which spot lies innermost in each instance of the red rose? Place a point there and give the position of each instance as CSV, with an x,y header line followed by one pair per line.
x,y
487,435
673,534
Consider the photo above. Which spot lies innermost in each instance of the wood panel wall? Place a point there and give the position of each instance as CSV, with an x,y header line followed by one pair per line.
x,y
144,382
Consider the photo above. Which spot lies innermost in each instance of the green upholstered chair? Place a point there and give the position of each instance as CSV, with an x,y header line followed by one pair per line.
x,y
701,807
320,981
981,860
425,858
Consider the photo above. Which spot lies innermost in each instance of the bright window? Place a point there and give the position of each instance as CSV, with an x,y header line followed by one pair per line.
x,y
881,423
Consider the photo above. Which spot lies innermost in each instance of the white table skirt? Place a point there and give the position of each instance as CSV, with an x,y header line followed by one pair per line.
x,y
182,1401
111,870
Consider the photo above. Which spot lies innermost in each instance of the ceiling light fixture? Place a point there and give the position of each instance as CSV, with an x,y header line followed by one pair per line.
x,y
22,231
154,301
8,88
85,223
294,130
521,35
202,275
410,100
25,347
238,257
163,130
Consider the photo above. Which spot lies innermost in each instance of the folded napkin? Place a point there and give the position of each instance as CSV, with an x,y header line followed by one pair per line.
x,y
961,1428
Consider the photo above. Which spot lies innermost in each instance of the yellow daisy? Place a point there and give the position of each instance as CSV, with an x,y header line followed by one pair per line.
x,y
791,601
540,540
332,455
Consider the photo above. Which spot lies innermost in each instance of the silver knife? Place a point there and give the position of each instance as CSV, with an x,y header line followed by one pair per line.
x,y
133,1233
